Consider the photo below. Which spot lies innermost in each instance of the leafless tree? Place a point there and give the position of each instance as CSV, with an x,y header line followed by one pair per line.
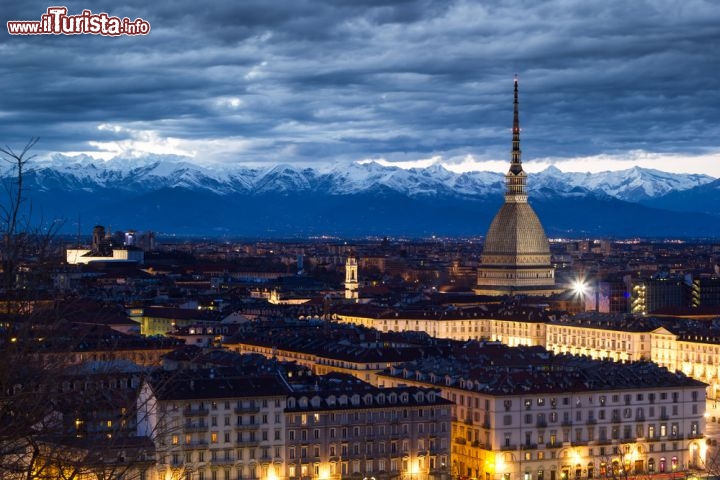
x,y
11,211
21,238
43,396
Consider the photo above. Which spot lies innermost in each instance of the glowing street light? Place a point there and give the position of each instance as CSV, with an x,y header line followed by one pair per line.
x,y
579,287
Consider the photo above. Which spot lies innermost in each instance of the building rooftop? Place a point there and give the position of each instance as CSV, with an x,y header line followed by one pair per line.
x,y
338,390
500,370
500,311
339,341
205,384
609,321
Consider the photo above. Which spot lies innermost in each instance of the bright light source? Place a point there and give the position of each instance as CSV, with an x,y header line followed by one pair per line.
x,y
580,287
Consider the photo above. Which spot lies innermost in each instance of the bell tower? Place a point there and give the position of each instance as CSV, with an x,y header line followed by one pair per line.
x,y
351,278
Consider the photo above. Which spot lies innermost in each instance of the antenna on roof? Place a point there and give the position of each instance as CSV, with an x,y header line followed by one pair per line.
x,y
78,231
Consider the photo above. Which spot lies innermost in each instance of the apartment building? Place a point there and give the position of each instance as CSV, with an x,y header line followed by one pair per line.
x,y
527,413
209,428
340,427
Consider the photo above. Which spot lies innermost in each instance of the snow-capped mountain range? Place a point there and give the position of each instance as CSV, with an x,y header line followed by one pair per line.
x,y
153,173
170,194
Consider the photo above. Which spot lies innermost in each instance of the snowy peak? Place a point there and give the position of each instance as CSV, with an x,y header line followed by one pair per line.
x,y
634,185
159,172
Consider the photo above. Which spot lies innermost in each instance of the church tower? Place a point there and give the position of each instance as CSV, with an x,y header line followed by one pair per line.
x,y
351,278
516,255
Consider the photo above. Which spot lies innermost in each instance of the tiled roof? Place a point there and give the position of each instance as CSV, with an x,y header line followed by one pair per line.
x,y
204,385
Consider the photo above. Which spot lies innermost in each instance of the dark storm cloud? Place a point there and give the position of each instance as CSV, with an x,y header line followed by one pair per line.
x,y
325,80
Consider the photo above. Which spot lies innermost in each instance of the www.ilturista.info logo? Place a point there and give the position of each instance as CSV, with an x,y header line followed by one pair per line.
x,y
57,22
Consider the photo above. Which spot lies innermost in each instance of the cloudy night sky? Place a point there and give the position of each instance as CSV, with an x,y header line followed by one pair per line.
x,y
604,85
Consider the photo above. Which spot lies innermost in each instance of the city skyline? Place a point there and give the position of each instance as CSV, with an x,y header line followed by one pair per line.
x,y
606,86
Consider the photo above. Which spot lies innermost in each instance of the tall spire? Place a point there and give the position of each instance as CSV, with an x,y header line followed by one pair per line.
x,y
516,163
515,179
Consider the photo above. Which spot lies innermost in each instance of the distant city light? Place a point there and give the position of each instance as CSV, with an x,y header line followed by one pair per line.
x,y
579,287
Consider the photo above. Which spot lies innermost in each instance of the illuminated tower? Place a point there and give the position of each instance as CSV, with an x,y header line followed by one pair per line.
x,y
516,255
351,278
98,237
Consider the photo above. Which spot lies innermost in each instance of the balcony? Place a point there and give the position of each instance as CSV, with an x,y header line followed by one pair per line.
x,y
529,446
247,443
250,409
197,443
195,427
507,448
553,445
247,426
590,421
566,423
198,412
615,419
579,443
460,440
541,424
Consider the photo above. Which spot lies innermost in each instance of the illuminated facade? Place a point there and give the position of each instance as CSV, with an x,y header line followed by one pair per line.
x,y
547,426
603,337
215,428
510,328
516,254
619,341
77,256
351,278
697,356
265,429
650,294
344,428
